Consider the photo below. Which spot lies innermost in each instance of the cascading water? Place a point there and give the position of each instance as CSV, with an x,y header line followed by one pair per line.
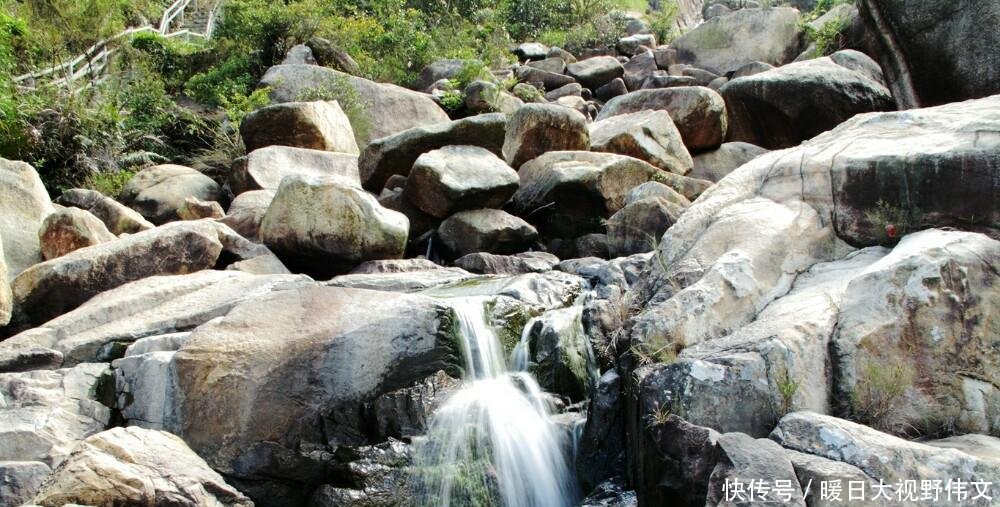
x,y
492,443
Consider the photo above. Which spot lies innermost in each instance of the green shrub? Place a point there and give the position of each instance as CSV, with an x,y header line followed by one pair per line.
x,y
350,102
452,100
663,22
109,183
879,392
234,76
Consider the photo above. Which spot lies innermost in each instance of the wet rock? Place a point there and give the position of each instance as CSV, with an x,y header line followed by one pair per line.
x,y
698,113
726,43
320,125
387,109
100,329
264,169
24,204
374,476
611,493
715,165
195,209
560,356
645,135
70,229
785,106
396,154
313,358
159,191
601,453
406,412
331,225
492,264
118,218
59,285
539,128
125,466
542,291
595,72
486,230
456,178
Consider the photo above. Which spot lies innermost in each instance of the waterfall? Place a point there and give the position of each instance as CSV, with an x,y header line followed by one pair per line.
x,y
492,443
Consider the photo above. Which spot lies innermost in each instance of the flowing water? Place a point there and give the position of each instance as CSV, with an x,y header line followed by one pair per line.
x,y
492,443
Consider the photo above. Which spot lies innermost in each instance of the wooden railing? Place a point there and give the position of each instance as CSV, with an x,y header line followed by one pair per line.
x,y
92,63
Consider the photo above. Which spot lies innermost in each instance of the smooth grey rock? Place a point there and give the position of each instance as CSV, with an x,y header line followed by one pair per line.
x,y
328,226
320,125
492,264
572,89
485,230
263,169
118,218
457,178
716,164
645,135
594,72
638,226
550,79
538,128
127,466
19,480
247,211
299,54
743,458
531,51
396,154
159,191
785,106
699,113
726,43
24,204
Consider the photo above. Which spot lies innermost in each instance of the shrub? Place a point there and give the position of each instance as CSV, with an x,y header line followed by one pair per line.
x,y
109,183
878,394
350,102
663,22
233,77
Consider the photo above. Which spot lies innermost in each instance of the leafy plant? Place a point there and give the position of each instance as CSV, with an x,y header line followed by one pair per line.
x,y
787,387
341,90
663,22
879,392
827,38
109,183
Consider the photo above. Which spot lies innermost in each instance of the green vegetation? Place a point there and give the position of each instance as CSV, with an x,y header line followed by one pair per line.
x,y
879,393
350,102
787,387
182,101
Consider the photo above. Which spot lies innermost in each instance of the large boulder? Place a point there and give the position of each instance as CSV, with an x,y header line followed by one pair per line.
x,y
101,328
396,154
550,78
6,297
749,286
645,135
698,112
118,218
785,106
70,229
726,43
264,169
385,109
493,264
567,193
441,69
595,72
638,226
19,480
135,466
24,204
559,354
328,226
915,340
247,211
716,164
57,286
887,459
937,52
457,178
539,128
311,358
320,125
485,230
47,412
741,459
159,191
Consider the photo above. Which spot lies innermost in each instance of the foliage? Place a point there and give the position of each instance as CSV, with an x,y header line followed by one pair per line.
x,y
787,387
663,22
878,394
108,183
601,34
828,37
350,102
452,100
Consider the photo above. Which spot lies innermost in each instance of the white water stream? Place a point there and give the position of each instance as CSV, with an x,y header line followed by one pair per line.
x,y
492,443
